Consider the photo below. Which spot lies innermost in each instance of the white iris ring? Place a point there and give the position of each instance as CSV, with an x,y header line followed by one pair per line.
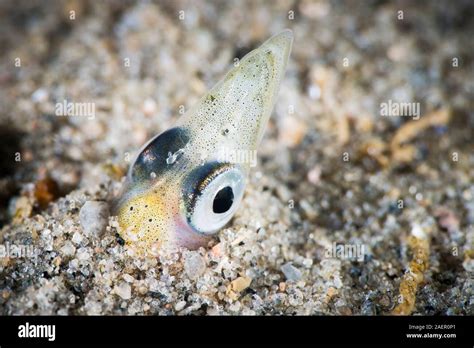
x,y
204,219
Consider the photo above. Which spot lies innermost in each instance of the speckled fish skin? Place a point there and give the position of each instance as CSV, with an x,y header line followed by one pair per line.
x,y
166,195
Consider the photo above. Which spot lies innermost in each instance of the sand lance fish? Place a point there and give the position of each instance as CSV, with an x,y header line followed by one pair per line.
x,y
187,182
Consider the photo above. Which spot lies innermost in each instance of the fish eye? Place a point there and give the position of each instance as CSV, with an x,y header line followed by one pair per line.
x,y
223,200
212,195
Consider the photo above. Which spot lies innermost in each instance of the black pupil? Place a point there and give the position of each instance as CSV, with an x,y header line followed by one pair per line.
x,y
223,200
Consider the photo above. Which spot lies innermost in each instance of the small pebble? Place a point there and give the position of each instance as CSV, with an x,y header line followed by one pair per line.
x,y
94,217
241,283
468,265
77,238
128,278
194,265
179,306
124,290
314,175
291,273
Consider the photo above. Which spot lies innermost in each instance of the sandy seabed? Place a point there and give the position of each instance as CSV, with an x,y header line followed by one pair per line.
x,y
333,172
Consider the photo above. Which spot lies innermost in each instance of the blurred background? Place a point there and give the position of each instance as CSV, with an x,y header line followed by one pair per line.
x,y
337,167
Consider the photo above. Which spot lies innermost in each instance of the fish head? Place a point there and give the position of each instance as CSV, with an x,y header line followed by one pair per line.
x,y
188,182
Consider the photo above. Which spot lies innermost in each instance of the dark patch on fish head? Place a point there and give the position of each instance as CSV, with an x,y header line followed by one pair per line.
x,y
156,157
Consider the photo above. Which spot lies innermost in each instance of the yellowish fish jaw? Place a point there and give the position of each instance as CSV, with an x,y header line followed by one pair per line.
x,y
149,223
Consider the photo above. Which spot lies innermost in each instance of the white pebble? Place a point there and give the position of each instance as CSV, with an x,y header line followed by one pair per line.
x,y
68,249
77,238
94,217
128,278
83,254
124,290
40,95
194,265
179,306
468,265
291,272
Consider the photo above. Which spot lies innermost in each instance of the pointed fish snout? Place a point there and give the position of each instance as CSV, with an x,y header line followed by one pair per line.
x,y
240,105
281,44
